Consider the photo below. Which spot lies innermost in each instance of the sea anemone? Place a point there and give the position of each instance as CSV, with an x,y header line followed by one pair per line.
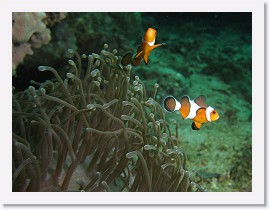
x,y
95,131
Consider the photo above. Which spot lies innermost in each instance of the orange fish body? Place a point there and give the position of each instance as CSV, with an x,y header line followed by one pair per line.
x,y
196,110
143,52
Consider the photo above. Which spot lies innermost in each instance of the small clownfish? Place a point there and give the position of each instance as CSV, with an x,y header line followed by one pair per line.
x,y
196,110
143,52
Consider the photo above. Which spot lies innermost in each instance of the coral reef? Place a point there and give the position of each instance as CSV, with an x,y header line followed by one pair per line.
x,y
74,32
29,30
95,131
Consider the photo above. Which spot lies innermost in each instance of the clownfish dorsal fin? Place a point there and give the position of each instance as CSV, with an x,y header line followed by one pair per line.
x,y
200,101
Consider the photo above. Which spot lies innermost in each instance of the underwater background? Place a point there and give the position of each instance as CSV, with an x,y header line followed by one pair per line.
x,y
206,54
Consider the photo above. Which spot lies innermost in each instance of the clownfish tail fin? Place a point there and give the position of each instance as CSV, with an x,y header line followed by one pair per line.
x,y
126,59
171,104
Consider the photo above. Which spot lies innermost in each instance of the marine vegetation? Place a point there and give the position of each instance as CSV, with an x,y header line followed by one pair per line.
x,y
95,130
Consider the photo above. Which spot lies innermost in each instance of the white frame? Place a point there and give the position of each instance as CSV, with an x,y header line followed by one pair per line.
x,y
257,196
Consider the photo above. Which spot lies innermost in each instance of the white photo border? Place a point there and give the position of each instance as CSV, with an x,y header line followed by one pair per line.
x,y
257,196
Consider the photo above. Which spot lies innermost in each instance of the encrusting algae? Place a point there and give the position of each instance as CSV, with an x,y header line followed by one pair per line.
x,y
95,131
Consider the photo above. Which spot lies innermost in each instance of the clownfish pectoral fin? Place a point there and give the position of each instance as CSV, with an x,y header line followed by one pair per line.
x,y
156,45
200,101
126,59
196,126
171,104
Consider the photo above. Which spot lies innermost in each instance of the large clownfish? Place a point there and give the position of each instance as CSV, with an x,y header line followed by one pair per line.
x,y
143,52
196,110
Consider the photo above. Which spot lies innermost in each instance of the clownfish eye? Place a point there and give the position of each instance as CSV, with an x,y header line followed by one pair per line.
x,y
214,112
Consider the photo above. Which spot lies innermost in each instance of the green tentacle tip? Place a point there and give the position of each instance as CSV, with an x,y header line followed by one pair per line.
x,y
43,68
90,106
182,171
43,91
70,51
135,82
151,115
170,151
124,117
149,102
131,154
32,90
97,63
105,46
128,67
136,88
70,75
95,73
193,184
149,147
96,83
71,62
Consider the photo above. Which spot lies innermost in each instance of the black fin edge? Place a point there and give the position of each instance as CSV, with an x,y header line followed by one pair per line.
x,y
165,99
124,57
193,126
